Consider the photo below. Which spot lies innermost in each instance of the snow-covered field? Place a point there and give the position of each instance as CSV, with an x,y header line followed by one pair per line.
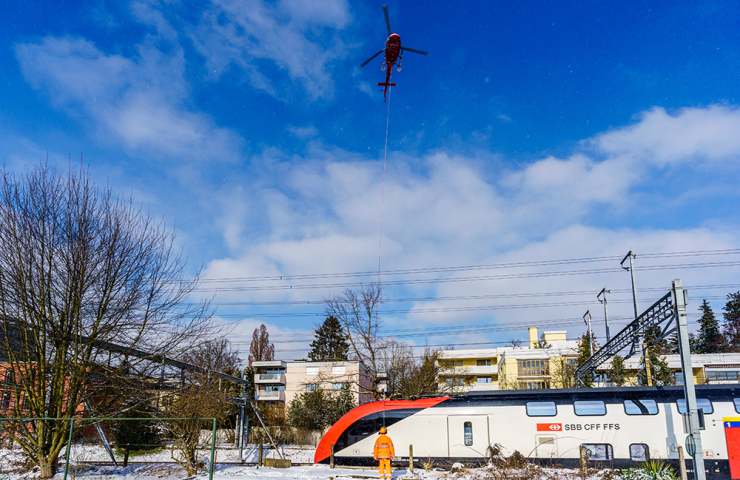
x,y
14,467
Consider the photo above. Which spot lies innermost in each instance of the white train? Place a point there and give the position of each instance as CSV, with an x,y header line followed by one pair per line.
x,y
620,427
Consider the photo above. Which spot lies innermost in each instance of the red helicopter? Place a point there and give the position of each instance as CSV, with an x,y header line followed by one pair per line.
x,y
393,51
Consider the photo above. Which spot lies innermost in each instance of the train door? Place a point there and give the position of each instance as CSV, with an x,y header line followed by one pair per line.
x,y
546,446
467,435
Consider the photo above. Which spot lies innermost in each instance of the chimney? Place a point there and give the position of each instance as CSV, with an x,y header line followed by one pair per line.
x,y
532,337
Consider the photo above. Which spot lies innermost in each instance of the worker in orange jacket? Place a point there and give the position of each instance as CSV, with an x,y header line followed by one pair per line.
x,y
384,452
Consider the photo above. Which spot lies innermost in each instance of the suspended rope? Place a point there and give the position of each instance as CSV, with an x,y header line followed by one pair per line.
x,y
382,196
382,204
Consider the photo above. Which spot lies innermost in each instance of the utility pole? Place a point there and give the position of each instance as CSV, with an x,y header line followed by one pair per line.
x,y
603,292
631,269
643,345
679,302
243,421
587,321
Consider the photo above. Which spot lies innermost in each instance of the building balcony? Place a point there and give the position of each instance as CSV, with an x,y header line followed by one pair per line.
x,y
262,396
270,378
468,371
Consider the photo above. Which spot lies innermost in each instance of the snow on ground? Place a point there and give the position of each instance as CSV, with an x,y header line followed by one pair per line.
x,y
14,467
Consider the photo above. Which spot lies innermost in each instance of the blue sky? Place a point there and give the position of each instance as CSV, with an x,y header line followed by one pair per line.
x,y
533,131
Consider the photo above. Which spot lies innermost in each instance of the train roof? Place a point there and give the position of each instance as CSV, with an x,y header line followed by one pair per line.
x,y
607,394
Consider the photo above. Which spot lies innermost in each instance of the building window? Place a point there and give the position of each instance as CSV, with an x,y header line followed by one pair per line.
x,y
589,407
274,388
275,371
312,370
528,368
534,385
639,452
8,377
722,377
6,400
468,433
640,407
454,382
339,386
483,379
598,451
338,370
483,363
311,387
541,409
701,403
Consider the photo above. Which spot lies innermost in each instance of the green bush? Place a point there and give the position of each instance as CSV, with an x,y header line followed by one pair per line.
x,y
652,470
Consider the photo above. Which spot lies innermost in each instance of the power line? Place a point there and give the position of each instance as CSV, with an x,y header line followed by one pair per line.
x,y
314,276
510,276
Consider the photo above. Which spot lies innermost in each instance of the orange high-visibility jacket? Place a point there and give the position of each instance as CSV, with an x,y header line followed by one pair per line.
x,y
384,447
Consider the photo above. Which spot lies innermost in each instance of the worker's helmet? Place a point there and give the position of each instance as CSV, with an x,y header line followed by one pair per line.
x,y
382,430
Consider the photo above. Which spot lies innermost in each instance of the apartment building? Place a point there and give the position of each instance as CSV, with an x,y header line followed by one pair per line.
x,y
707,368
509,367
279,382
532,367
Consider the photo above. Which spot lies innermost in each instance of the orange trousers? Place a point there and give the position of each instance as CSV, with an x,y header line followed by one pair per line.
x,y
385,468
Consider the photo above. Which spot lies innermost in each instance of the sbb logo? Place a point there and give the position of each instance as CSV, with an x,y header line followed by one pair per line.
x,y
549,427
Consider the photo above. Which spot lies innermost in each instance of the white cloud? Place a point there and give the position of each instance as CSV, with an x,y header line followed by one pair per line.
x,y
322,215
711,133
136,101
296,36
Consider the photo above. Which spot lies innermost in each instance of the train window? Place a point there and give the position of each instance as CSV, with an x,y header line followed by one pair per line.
x,y
598,451
541,409
589,407
468,433
736,401
640,407
701,403
639,452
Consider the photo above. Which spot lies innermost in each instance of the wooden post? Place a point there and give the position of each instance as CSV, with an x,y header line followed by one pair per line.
x,y
331,457
682,463
584,460
411,459
125,456
259,455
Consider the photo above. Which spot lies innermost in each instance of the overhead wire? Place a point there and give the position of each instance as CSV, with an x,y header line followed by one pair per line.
x,y
511,276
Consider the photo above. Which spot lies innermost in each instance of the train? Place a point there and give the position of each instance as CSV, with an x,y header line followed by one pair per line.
x,y
620,427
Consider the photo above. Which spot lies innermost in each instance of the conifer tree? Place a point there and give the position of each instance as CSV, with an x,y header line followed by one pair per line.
x,y
710,338
617,374
584,353
330,342
732,322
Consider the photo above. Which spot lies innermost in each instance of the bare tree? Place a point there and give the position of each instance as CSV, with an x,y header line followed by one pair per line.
x,y
202,397
261,349
356,310
79,267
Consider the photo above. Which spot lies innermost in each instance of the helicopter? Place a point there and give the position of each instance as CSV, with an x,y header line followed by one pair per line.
x,y
393,51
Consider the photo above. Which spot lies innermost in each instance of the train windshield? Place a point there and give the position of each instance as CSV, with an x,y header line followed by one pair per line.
x,y
370,425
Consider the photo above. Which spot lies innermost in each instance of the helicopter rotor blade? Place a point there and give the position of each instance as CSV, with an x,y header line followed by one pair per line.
x,y
387,22
368,60
415,51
